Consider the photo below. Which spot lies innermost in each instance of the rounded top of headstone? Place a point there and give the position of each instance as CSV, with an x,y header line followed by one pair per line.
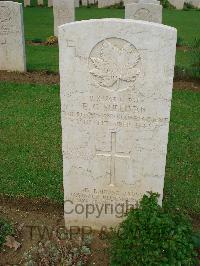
x,y
117,22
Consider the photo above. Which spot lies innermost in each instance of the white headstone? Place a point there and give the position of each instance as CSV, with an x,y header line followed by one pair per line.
x,y
105,3
76,2
64,12
40,2
116,88
143,11
178,4
12,46
195,3
84,2
118,1
27,3
126,2
149,2
50,3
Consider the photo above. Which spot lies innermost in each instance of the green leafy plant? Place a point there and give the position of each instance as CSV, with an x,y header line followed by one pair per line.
x,y
151,235
5,230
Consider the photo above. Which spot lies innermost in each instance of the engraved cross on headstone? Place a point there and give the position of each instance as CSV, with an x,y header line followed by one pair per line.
x,y
112,154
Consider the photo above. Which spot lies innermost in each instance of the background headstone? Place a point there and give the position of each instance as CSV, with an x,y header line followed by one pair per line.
x,y
195,3
76,2
149,2
84,2
12,46
40,2
63,11
27,3
105,3
178,4
50,3
116,88
126,2
143,11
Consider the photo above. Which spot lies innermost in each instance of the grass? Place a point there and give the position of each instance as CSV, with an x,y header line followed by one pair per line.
x,y
39,25
31,142
182,186
38,55
186,22
31,145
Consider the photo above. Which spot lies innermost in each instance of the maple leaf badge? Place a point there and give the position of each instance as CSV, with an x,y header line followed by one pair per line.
x,y
143,14
112,64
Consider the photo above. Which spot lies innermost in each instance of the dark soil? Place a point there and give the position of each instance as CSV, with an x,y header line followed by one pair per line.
x,y
183,48
27,213
33,216
40,43
187,85
45,77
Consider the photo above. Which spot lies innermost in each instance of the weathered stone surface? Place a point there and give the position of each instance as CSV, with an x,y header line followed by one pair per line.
x,y
149,2
76,2
27,3
84,2
105,3
63,11
12,47
116,87
143,11
178,4
40,2
50,3
126,2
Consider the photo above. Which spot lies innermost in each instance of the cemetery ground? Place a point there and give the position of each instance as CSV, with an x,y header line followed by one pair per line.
x,y
31,169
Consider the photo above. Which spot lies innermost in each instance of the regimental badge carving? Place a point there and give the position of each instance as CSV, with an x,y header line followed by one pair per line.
x,y
143,14
114,64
